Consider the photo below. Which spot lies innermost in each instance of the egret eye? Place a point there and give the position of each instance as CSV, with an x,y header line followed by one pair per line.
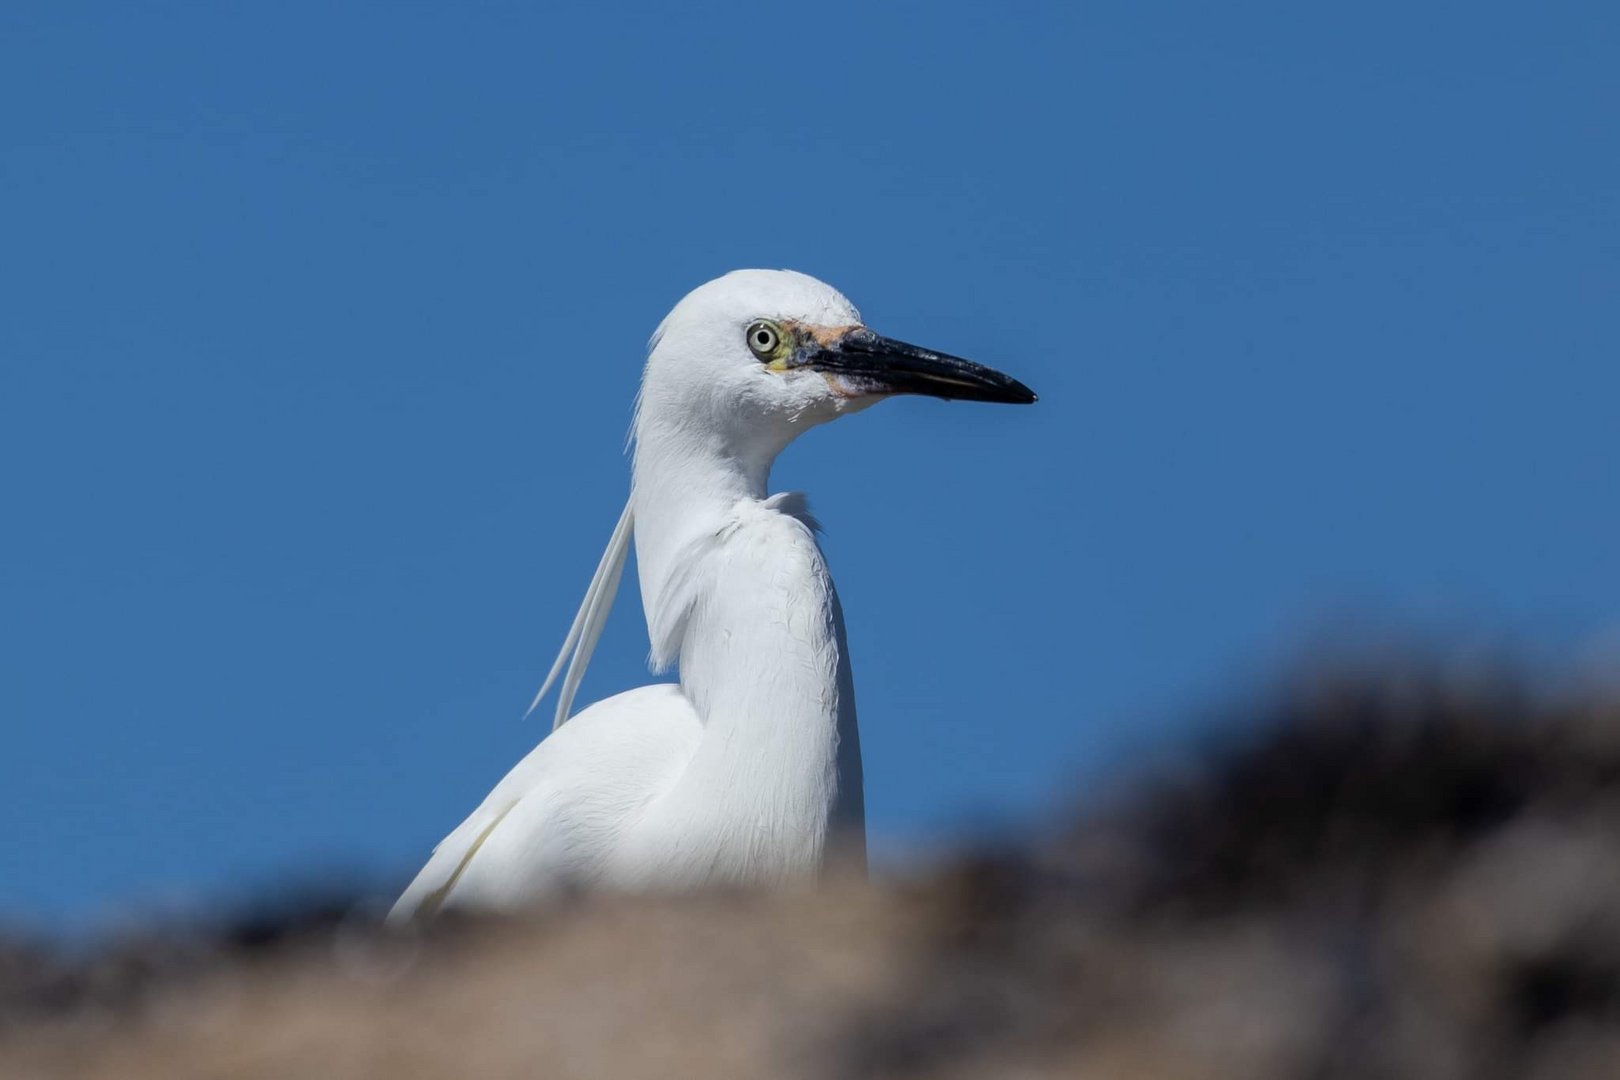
x,y
763,339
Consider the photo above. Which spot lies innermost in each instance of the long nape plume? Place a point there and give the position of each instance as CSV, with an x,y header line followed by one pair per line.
x,y
587,628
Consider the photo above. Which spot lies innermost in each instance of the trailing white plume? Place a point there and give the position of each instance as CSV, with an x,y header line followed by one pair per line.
x,y
587,629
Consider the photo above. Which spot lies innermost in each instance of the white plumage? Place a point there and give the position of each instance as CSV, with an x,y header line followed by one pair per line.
x,y
748,770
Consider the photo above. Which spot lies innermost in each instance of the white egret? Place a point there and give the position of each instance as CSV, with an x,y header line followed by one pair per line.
x,y
748,770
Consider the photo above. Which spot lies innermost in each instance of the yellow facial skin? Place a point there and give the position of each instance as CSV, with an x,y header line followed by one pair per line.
x,y
775,342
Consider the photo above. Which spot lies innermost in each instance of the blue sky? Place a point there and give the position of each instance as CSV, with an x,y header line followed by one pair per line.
x,y
322,325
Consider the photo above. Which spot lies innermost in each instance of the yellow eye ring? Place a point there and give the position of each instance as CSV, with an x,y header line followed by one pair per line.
x,y
764,339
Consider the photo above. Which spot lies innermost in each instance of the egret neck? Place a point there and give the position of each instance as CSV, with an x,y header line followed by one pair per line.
x,y
737,595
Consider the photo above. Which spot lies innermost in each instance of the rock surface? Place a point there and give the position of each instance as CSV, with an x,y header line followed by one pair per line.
x,y
1390,877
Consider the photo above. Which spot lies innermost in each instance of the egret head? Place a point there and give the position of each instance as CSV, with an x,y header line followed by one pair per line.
x,y
755,357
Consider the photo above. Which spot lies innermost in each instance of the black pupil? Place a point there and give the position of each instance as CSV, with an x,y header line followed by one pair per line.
x,y
763,337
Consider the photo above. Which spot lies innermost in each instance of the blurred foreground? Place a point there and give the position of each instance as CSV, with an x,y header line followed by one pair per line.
x,y
1400,876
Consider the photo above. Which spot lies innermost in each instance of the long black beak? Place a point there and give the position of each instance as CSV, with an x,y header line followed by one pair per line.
x,y
872,364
